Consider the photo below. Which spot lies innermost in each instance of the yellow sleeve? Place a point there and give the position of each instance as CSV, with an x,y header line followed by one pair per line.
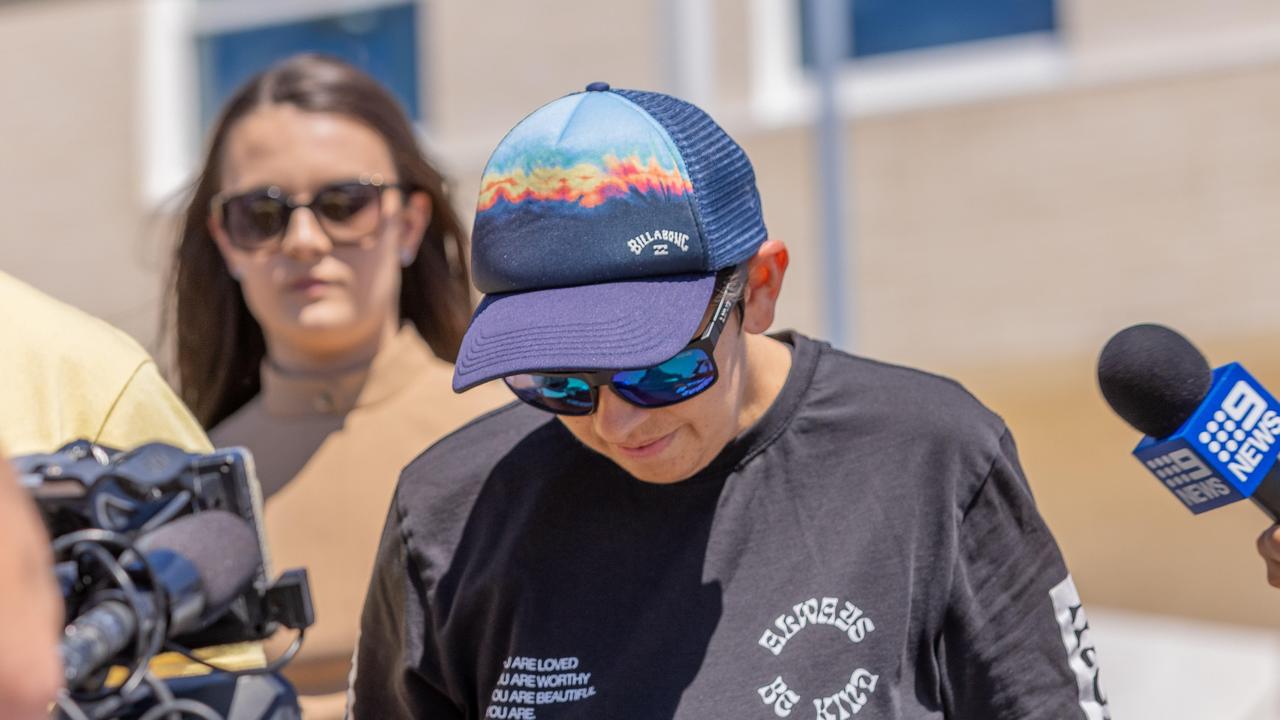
x,y
147,410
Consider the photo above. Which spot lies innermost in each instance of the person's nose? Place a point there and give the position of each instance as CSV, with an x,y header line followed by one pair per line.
x,y
304,239
615,419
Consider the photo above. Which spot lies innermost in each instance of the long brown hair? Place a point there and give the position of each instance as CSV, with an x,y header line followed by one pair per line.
x,y
220,345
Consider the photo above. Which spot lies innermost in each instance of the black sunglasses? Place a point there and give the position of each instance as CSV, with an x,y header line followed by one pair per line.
x,y
684,375
348,211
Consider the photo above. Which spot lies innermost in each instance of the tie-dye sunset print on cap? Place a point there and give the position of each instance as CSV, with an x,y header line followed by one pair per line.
x,y
587,189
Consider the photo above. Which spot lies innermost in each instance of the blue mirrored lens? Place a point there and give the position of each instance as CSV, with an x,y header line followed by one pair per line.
x,y
564,395
680,378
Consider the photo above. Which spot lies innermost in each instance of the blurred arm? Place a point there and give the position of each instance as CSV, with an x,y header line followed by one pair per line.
x,y
30,607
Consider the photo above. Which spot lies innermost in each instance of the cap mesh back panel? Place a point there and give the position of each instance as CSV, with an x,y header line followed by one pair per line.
x,y
724,185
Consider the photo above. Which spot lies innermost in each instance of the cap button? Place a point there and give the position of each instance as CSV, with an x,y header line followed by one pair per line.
x,y
598,87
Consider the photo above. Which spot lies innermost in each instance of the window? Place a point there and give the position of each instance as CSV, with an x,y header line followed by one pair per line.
x,y
886,26
382,41
195,53
905,54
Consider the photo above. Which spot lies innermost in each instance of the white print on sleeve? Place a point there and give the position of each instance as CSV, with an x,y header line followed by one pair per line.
x,y
527,682
849,696
1082,658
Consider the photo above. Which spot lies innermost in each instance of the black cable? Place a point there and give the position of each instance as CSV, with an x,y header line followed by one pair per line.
x,y
272,667
163,694
92,542
111,706
68,707
184,706
167,704
171,509
133,598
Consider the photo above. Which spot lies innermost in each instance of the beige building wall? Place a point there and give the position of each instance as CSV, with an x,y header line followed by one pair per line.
x,y
70,159
1000,240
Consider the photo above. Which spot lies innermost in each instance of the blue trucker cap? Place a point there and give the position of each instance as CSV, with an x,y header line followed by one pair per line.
x,y
603,219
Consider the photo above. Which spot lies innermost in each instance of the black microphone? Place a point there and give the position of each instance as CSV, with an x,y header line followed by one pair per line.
x,y
1211,436
201,562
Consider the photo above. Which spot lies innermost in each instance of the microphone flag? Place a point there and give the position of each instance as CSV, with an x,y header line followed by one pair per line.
x,y
1224,450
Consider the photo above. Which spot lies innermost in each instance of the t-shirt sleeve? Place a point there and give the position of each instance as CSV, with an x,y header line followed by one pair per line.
x,y
395,673
147,410
1015,642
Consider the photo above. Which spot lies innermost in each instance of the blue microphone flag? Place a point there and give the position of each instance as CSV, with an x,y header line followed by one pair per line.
x,y
1224,450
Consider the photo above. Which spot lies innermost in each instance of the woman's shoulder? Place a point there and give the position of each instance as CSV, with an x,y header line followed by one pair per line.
x,y
432,380
234,428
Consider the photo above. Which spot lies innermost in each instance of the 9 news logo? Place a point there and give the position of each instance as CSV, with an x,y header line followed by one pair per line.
x,y
1188,477
1222,435
1241,432
1222,452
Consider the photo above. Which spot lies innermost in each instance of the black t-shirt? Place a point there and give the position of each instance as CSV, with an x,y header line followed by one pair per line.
x,y
869,547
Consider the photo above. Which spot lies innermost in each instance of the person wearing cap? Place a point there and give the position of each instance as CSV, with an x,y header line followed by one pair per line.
x,y
685,517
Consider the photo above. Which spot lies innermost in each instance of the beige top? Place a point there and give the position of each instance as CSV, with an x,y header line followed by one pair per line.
x,y
328,451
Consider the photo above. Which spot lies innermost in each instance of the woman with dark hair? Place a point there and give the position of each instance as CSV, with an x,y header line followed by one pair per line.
x,y
320,297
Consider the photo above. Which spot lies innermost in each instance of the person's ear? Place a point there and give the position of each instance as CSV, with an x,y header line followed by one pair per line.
x,y
764,281
230,256
413,221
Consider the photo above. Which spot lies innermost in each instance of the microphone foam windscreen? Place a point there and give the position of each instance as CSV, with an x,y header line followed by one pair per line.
x,y
1153,377
221,546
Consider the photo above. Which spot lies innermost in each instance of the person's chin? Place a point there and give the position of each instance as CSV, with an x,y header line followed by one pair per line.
x,y
325,315
657,461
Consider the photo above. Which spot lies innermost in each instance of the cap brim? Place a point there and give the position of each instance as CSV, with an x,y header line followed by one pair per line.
x,y
618,325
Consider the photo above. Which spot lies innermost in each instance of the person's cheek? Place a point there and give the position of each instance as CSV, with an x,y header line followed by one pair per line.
x,y
256,286
580,428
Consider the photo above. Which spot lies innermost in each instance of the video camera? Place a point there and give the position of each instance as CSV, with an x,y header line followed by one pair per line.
x,y
162,550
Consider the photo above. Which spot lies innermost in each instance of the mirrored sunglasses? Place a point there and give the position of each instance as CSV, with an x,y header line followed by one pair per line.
x,y
684,375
